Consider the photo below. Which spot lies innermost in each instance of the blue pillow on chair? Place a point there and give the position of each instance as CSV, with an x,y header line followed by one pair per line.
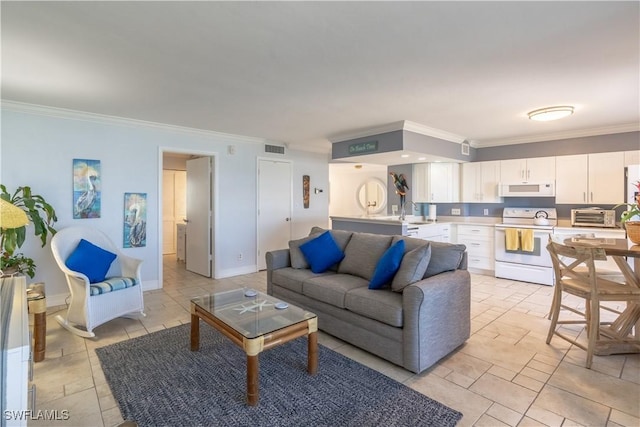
x,y
90,260
322,252
387,266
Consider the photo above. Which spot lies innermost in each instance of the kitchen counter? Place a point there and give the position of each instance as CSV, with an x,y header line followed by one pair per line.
x,y
380,224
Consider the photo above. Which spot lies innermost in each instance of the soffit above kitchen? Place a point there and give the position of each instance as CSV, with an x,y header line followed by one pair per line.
x,y
400,143
299,73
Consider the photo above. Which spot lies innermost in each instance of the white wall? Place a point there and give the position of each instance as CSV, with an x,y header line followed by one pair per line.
x,y
39,144
345,181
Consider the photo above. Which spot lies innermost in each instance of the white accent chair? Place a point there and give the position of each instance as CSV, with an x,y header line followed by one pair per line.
x,y
85,311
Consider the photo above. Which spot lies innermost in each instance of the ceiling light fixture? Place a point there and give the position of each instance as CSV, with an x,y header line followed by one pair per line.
x,y
404,155
550,113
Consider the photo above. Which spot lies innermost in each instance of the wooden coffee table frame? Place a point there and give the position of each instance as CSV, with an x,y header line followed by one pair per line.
x,y
254,346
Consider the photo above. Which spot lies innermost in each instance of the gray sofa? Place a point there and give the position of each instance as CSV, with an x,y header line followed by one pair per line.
x,y
412,326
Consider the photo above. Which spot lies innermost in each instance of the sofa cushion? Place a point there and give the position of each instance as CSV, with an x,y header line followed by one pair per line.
x,y
292,278
341,237
112,284
297,257
332,289
90,260
322,252
444,256
382,305
412,268
362,254
387,266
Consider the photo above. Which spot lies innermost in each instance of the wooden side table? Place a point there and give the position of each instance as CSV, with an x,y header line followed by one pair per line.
x,y
37,301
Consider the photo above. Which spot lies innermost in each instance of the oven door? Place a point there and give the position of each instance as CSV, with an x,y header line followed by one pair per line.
x,y
538,257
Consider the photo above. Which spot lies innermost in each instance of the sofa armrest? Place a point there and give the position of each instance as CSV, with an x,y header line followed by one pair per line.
x,y
437,318
275,260
278,259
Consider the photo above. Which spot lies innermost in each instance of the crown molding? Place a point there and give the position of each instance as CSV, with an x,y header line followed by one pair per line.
x,y
395,126
433,132
363,133
605,130
64,113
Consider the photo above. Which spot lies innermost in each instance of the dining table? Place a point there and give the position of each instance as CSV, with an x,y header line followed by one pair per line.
x,y
624,331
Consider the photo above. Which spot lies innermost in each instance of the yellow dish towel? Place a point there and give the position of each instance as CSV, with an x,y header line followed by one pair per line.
x,y
511,236
526,237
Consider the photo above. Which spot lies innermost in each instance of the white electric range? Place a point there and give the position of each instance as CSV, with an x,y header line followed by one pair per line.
x,y
518,264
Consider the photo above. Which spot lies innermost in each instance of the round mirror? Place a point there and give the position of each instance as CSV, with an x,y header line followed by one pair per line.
x,y
372,196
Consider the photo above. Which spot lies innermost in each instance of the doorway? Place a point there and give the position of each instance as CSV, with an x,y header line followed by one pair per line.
x,y
176,180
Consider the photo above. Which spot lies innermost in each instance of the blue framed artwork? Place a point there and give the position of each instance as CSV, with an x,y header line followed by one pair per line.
x,y
135,220
86,188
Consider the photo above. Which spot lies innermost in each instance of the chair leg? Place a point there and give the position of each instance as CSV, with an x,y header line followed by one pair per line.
x,y
74,329
593,328
553,315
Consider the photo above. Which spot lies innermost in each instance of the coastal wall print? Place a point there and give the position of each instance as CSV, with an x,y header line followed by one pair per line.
x,y
135,220
86,188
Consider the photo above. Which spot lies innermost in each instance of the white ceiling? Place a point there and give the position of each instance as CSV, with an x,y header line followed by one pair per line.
x,y
305,73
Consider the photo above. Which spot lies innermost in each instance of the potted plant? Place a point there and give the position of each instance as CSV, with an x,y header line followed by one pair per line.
x,y
40,213
627,218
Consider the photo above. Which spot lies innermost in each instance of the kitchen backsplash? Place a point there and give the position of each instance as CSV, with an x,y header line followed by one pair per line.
x,y
495,209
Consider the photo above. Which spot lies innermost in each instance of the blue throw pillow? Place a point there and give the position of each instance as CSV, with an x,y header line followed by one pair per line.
x,y
90,260
387,266
322,252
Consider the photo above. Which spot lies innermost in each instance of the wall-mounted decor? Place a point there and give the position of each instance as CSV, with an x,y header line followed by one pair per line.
x,y
86,188
135,220
306,184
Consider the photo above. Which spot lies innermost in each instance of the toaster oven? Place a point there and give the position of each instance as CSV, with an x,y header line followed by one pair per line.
x,y
593,217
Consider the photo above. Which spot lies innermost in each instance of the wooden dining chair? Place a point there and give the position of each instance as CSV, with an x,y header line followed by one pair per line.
x,y
575,274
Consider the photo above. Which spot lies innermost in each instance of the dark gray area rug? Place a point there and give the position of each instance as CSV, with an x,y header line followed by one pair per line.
x,y
158,381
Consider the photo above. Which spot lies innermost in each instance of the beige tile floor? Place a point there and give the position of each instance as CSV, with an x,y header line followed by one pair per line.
x,y
505,375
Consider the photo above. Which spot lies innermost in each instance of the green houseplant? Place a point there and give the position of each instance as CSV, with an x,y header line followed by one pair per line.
x,y
40,213
632,210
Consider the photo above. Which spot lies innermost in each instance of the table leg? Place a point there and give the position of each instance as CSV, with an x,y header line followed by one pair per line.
x,y
312,353
39,336
252,380
195,332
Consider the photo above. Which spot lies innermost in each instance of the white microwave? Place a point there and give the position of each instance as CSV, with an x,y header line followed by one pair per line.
x,y
526,189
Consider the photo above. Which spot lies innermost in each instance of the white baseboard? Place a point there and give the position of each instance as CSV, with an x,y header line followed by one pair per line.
x,y
230,272
150,285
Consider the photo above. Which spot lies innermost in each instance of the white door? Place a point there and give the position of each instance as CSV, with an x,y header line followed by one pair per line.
x,y
199,254
274,207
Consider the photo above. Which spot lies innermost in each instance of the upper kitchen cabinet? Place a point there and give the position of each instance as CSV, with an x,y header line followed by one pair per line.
x,y
436,182
632,157
537,169
590,178
480,182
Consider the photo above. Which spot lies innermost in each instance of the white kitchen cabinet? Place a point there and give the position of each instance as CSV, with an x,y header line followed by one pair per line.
x,y
479,240
480,182
590,178
420,189
434,232
537,169
632,157
436,182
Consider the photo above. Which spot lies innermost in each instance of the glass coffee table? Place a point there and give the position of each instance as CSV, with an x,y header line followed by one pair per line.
x,y
255,322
